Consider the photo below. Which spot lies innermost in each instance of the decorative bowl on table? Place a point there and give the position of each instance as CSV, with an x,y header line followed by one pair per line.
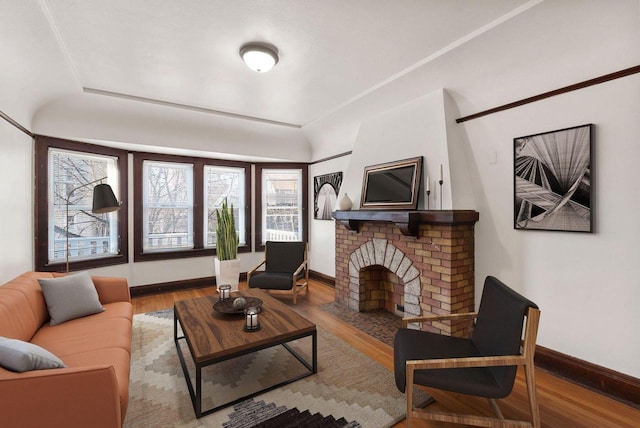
x,y
226,306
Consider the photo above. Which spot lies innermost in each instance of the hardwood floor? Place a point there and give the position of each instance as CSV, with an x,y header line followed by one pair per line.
x,y
562,403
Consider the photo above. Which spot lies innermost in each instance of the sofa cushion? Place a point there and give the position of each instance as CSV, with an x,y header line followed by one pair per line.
x,y
272,280
19,356
22,306
70,297
85,334
115,310
16,318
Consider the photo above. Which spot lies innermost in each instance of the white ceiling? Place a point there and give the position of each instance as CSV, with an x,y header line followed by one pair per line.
x,y
332,52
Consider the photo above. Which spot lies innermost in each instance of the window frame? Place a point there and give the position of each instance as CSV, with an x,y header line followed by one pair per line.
x,y
259,168
41,205
198,250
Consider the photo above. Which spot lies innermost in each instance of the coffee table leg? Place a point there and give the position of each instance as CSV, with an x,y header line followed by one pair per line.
x,y
196,396
175,327
198,402
314,352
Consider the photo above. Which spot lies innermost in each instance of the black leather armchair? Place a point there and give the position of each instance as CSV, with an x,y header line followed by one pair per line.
x,y
484,365
286,269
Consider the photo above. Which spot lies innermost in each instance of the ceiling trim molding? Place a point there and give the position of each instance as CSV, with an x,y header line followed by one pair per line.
x,y
188,107
339,155
450,47
9,119
46,10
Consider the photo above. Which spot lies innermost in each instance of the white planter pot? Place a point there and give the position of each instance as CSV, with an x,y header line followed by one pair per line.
x,y
227,272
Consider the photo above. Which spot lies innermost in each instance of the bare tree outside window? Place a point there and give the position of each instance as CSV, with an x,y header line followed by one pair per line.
x,y
223,183
175,202
168,208
90,235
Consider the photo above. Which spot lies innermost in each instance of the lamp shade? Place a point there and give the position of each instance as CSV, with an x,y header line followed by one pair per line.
x,y
259,58
104,201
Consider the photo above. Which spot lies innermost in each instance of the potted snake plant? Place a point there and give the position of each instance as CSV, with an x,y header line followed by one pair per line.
x,y
226,262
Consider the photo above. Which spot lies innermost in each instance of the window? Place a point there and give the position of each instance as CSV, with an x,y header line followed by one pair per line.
x,y
222,183
282,201
66,229
168,206
175,198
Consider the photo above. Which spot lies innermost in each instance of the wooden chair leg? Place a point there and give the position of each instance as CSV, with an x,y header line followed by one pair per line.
x,y
529,372
409,393
496,408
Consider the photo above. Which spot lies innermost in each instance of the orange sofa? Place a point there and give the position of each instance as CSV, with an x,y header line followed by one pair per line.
x,y
93,389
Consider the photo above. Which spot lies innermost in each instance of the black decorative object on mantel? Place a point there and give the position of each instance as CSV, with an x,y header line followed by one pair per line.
x,y
441,182
428,191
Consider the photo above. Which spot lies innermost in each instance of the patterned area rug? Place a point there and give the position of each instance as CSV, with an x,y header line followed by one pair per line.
x,y
349,390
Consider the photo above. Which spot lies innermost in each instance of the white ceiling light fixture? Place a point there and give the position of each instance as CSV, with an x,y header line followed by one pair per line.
x,y
259,57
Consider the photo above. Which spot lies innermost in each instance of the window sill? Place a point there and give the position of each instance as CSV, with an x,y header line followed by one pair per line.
x,y
84,264
182,254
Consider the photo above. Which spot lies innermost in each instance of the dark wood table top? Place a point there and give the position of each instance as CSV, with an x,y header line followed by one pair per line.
x,y
212,335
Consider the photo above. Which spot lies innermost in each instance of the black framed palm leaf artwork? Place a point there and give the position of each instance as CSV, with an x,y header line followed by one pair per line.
x,y
325,192
553,181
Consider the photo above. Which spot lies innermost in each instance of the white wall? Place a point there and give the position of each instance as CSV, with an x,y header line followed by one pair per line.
x,y
587,285
322,232
16,215
416,128
29,79
154,127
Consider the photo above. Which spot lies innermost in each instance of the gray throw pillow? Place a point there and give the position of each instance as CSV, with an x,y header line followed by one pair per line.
x,y
70,297
19,356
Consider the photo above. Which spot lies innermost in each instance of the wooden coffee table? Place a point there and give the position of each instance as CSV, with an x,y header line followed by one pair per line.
x,y
213,337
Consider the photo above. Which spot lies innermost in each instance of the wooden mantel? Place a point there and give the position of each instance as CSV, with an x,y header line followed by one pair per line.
x,y
407,221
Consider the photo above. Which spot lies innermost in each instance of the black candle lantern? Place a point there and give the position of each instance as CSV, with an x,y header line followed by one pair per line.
x,y
251,319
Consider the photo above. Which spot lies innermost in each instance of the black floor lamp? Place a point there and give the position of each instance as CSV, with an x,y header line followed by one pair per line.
x,y
104,201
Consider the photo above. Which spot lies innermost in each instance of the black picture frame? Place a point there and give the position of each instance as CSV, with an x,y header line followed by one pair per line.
x,y
553,180
325,194
392,185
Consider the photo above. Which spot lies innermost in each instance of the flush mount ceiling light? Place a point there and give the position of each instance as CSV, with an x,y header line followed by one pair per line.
x,y
259,57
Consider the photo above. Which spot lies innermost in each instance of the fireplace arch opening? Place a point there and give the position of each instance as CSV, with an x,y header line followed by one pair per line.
x,y
381,276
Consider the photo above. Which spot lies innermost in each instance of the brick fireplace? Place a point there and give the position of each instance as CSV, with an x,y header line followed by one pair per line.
x,y
410,263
